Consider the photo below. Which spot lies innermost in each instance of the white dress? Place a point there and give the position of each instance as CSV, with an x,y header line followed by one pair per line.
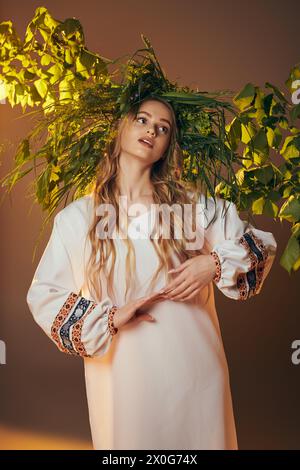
x,y
154,385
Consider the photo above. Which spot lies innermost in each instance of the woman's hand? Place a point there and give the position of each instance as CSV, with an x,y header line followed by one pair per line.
x,y
135,309
193,275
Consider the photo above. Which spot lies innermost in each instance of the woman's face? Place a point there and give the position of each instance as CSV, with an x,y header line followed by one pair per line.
x,y
153,123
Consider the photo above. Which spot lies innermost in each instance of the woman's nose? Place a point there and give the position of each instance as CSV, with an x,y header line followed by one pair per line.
x,y
151,130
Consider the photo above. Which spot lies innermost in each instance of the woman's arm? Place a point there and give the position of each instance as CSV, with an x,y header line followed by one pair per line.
x,y
77,325
243,254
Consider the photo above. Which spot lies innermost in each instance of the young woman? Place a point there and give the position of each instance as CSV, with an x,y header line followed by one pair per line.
x,y
155,368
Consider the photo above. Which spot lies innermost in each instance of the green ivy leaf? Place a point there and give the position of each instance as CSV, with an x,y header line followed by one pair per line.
x,y
289,149
291,254
234,133
290,210
46,59
295,112
56,71
65,91
248,132
265,174
277,137
260,142
296,230
41,87
277,92
245,97
270,208
258,206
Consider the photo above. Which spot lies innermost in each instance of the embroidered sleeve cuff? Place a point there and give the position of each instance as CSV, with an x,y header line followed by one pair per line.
x,y
250,283
81,327
243,263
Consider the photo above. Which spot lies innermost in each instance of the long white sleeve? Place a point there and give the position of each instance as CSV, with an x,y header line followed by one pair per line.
x,y
77,325
244,254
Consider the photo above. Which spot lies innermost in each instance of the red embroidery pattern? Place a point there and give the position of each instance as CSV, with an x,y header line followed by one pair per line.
x,y
60,318
250,283
76,333
216,258
112,329
242,286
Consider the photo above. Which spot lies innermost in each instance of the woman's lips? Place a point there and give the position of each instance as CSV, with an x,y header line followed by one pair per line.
x,y
145,144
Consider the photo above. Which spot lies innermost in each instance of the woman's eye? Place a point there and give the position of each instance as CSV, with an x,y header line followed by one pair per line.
x,y
166,130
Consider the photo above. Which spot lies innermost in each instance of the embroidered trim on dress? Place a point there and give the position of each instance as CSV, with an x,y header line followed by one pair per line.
x,y
216,258
76,333
249,283
60,318
113,330
67,326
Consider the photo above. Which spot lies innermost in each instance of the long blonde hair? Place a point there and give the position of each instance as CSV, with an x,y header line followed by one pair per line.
x,y
168,189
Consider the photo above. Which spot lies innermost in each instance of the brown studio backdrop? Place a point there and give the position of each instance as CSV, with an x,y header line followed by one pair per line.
x,y
210,45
